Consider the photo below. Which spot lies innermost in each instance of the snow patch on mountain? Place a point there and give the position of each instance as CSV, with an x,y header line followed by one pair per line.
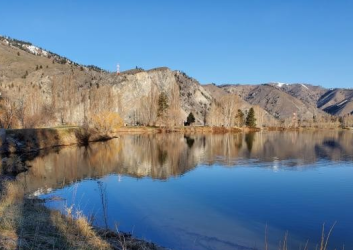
x,y
304,86
35,50
279,84
341,103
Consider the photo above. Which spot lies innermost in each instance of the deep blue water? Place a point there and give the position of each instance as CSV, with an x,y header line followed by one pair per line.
x,y
217,192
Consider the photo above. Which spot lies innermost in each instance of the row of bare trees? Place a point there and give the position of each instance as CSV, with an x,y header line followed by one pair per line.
x,y
321,121
24,112
68,99
227,112
159,108
347,120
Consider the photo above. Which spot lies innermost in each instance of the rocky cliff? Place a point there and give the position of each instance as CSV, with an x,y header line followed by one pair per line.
x,y
68,93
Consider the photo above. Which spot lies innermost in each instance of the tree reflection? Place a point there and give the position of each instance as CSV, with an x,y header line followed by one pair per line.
x,y
249,139
161,156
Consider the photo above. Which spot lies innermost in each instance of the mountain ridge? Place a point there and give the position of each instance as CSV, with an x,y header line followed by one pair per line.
x,y
47,81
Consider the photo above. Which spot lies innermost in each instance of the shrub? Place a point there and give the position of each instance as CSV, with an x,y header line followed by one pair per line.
x,y
190,119
106,122
83,135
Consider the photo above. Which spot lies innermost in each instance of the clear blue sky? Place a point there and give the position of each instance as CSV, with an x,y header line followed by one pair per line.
x,y
248,41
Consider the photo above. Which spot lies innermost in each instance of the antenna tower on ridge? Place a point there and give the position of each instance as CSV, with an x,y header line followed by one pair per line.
x,y
118,69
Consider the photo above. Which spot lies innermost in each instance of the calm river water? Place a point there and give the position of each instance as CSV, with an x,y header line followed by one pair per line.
x,y
208,191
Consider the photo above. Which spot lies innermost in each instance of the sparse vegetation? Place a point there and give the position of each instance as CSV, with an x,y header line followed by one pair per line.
x,y
25,75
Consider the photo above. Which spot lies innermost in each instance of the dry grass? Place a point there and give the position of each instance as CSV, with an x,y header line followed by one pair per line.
x,y
283,245
10,210
10,194
26,224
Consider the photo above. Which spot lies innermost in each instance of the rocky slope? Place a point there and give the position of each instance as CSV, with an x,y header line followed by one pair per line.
x,y
264,118
274,100
337,101
281,99
42,80
307,93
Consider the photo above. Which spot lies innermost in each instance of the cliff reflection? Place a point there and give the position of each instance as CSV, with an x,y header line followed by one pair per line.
x,y
161,156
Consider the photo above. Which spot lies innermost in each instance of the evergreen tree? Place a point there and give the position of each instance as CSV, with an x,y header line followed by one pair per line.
x,y
250,119
190,119
162,104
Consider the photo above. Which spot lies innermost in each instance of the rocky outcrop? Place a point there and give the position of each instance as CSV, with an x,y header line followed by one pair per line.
x,y
194,97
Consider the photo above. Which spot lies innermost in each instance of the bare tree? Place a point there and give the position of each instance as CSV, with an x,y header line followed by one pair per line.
x,y
21,111
152,105
7,113
224,112
174,111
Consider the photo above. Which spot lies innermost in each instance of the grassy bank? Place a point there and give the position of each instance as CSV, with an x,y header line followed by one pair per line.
x,y
27,224
29,140
186,129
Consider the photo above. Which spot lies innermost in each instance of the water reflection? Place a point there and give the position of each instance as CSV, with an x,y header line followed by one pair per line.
x,y
162,156
214,191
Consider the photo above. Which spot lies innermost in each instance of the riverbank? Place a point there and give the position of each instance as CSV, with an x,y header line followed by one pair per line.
x,y
26,223
31,140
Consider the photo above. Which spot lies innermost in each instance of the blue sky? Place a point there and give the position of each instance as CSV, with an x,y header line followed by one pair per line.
x,y
248,41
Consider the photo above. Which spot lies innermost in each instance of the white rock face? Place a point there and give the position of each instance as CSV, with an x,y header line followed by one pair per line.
x,y
74,96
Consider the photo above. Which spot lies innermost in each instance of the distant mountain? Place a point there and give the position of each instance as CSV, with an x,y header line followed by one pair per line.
x,y
337,101
307,93
219,93
50,89
278,103
282,99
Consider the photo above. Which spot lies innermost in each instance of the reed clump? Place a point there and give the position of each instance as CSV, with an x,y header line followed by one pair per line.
x,y
323,245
